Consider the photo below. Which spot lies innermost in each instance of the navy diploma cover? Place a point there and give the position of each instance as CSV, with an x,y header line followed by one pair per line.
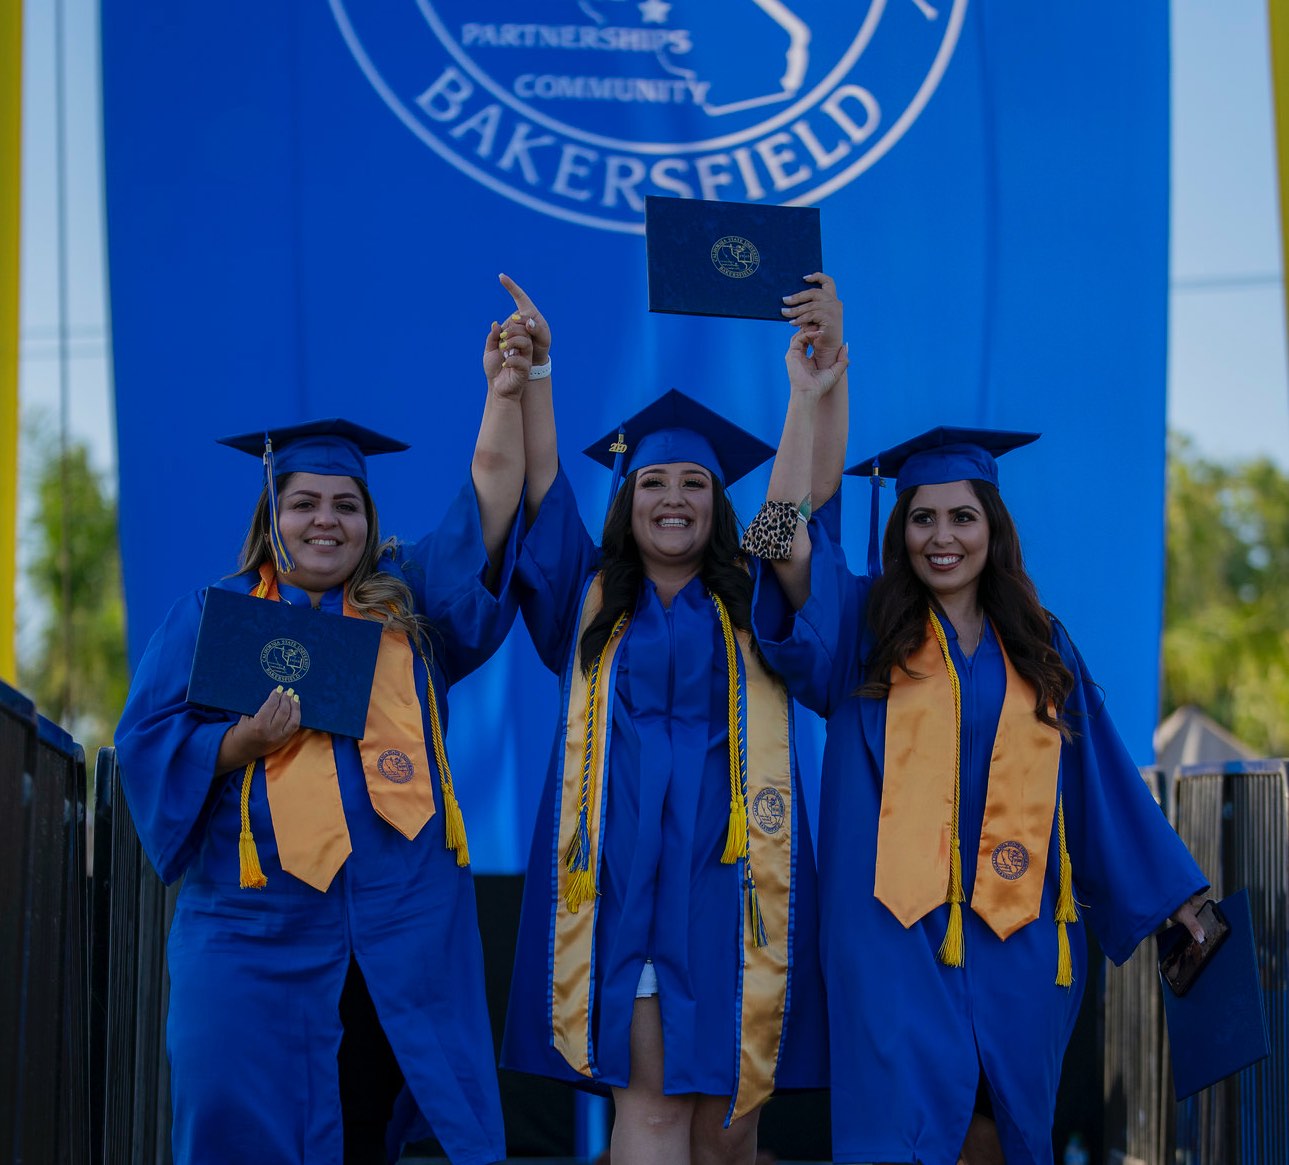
x,y
246,647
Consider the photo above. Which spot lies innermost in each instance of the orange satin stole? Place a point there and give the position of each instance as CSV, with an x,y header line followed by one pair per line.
x,y
917,825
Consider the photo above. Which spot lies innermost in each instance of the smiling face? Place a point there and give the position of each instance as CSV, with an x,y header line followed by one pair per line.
x,y
671,516
323,520
946,535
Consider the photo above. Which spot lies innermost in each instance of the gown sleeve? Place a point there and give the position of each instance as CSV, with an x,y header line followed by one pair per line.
x,y
448,573
167,748
1131,870
815,649
554,562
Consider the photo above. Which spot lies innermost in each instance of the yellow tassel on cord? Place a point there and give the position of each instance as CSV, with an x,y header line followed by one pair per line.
x,y
736,845
454,823
1065,911
952,949
581,888
454,827
735,835
251,877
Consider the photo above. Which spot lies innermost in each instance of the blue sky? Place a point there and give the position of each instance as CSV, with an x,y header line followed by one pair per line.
x,y
1228,372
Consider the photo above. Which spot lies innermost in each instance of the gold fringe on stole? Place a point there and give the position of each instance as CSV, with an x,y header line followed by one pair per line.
x,y
1065,911
952,952
453,822
251,876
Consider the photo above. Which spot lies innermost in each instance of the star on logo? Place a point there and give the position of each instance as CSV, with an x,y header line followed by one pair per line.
x,y
654,11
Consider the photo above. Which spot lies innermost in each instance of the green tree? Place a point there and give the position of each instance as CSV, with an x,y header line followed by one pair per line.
x,y
1226,605
78,672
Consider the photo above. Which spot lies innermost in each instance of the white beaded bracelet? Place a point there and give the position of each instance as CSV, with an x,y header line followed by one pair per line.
x,y
540,371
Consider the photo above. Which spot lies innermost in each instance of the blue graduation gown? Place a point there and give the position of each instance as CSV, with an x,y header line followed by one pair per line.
x,y
665,895
906,1032
256,975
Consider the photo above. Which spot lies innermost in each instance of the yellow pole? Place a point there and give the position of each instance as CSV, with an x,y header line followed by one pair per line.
x,y
10,246
1278,23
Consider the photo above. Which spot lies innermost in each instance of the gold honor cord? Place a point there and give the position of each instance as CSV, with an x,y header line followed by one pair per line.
x,y
454,823
577,855
951,950
737,844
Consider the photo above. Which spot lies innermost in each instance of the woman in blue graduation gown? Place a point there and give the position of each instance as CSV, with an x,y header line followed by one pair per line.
x,y
977,805
326,888
667,941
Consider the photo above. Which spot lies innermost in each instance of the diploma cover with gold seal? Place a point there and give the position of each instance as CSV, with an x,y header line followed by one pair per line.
x,y
710,258
246,647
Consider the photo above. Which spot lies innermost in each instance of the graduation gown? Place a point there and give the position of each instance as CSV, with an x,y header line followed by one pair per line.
x,y
907,1033
256,975
664,893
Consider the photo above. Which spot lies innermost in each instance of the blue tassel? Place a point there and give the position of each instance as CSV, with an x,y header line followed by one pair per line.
x,y
874,536
282,559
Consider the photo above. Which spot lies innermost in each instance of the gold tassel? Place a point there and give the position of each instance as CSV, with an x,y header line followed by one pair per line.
x,y
581,888
454,826
1065,911
735,834
251,875
952,950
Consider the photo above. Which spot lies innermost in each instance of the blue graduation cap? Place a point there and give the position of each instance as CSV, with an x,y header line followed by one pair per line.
x,y
940,455
675,427
334,447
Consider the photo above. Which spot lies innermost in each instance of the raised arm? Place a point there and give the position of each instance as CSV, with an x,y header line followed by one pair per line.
x,y
794,464
498,465
541,454
817,313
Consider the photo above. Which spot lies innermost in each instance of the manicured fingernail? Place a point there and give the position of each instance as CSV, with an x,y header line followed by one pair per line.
x,y
290,691
532,323
786,298
296,699
278,688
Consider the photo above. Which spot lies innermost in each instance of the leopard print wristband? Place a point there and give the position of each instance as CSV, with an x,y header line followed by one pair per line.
x,y
769,534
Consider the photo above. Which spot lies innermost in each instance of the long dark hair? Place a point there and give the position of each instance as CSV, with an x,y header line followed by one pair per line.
x,y
722,569
373,593
899,602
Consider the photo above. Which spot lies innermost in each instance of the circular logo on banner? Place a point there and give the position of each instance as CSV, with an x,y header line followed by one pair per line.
x,y
284,660
580,108
767,810
395,765
735,257
1011,860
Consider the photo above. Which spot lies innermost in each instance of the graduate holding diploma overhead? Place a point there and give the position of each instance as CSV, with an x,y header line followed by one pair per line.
x,y
667,940
327,996
977,805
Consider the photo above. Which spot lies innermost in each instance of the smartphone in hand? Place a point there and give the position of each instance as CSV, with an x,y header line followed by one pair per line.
x,y
1184,961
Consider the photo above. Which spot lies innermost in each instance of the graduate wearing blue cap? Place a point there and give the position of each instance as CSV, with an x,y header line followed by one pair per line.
x,y
327,997
977,804
667,939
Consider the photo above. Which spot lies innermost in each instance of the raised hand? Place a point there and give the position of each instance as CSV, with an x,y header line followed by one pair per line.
x,y
805,376
515,345
532,320
817,314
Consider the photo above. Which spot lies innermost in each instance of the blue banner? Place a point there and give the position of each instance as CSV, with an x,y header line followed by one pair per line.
x,y
308,206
